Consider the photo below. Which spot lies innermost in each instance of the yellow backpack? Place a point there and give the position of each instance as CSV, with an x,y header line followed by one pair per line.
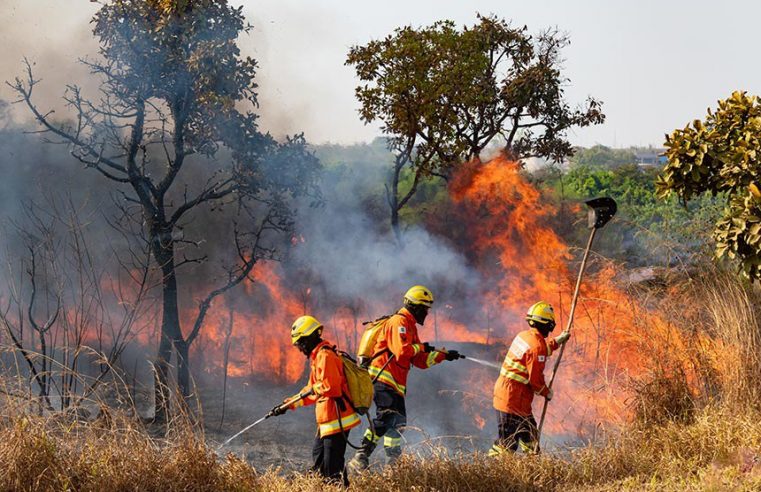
x,y
360,384
365,351
358,380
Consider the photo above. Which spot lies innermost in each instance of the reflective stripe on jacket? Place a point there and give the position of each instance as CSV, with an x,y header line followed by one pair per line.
x,y
400,338
328,382
522,373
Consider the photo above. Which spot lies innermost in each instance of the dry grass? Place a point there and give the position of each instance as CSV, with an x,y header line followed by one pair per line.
x,y
717,451
710,355
117,454
732,309
696,428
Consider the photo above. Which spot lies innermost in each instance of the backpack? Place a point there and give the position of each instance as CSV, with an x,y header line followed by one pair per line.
x,y
369,338
358,380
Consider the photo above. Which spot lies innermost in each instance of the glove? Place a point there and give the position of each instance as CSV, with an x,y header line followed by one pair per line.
x,y
428,348
452,355
549,395
563,337
278,410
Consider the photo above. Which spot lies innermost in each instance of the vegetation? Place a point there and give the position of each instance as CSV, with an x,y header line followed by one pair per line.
x,y
700,433
172,83
602,156
650,229
443,95
722,154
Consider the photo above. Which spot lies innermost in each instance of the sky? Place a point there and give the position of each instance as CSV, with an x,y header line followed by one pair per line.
x,y
656,65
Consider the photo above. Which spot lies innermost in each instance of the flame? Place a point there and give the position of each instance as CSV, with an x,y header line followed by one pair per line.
x,y
509,220
508,236
504,227
258,341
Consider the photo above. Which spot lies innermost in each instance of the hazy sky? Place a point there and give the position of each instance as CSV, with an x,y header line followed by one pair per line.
x,y
656,65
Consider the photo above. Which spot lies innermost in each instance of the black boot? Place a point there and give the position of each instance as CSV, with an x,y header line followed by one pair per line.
x,y
393,454
361,459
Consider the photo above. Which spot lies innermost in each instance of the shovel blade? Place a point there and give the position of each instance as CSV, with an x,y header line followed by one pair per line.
x,y
601,210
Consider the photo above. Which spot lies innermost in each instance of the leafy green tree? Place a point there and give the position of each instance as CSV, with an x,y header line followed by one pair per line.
x,y
648,230
443,94
722,154
175,89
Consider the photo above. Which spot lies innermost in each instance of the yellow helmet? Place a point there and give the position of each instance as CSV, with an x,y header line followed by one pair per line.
x,y
303,327
419,295
541,312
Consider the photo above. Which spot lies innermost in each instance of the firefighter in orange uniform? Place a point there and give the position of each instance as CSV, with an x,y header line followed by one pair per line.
x,y
397,349
328,390
521,377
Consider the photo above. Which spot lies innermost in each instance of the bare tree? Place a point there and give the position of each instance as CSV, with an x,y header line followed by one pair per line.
x,y
64,316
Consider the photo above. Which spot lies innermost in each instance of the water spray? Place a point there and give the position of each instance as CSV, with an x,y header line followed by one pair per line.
x,y
482,362
245,429
477,361
272,413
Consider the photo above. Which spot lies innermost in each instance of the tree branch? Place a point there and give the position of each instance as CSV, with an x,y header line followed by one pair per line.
x,y
243,272
215,192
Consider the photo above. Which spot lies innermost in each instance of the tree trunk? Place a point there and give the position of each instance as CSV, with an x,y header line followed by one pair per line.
x,y
161,380
171,334
395,225
393,202
183,367
228,334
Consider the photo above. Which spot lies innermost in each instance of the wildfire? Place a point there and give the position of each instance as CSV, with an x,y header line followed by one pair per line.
x,y
509,220
506,232
259,343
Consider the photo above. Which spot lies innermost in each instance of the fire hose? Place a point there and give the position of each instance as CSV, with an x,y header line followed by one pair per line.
x,y
301,396
298,398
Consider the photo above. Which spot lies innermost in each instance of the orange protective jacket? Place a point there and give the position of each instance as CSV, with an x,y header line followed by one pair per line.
x,y
400,339
522,373
327,381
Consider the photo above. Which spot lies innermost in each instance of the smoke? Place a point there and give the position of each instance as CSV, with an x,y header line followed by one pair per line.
x,y
53,36
297,87
344,246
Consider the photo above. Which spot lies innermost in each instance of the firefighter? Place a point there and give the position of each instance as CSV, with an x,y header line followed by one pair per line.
x,y
522,376
328,390
397,349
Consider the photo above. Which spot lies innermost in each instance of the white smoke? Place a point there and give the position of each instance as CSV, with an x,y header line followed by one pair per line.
x,y
349,246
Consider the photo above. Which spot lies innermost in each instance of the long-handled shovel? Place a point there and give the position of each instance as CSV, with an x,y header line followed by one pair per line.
x,y
601,210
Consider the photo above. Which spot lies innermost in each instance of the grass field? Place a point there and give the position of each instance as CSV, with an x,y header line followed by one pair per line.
x,y
718,450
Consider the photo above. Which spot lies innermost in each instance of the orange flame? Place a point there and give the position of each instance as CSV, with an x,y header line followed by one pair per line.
x,y
507,235
509,220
